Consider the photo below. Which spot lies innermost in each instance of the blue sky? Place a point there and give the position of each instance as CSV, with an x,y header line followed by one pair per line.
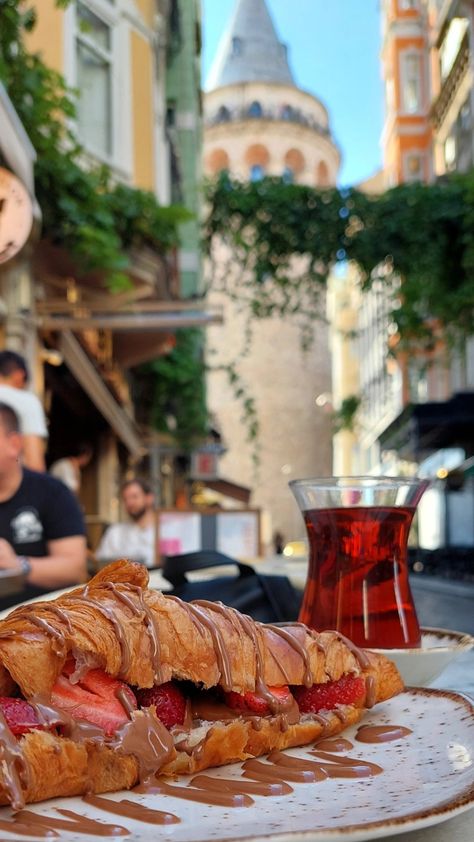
x,y
334,48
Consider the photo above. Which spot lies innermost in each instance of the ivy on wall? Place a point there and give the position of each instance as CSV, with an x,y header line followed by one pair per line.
x,y
170,390
285,239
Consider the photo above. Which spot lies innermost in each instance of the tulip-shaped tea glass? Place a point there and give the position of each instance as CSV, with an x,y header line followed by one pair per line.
x,y
358,558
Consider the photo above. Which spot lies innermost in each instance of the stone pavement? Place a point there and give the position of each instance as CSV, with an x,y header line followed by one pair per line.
x,y
444,603
450,605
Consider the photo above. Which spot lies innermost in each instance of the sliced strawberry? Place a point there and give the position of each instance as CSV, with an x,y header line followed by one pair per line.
x,y
20,716
169,702
93,698
252,703
106,687
348,690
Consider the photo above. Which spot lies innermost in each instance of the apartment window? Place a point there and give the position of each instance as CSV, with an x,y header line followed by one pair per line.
x,y
389,95
452,43
413,166
411,76
408,5
465,121
94,73
450,153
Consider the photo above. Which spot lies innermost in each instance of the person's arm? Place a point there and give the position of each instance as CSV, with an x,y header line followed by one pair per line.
x,y
64,565
33,453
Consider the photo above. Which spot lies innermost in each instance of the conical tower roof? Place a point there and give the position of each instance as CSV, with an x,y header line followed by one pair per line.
x,y
250,50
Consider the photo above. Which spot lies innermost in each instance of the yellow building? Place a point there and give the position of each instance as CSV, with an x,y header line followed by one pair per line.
x,y
111,53
79,339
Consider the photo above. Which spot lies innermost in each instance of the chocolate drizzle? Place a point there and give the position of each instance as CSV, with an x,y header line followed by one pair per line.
x,y
298,647
252,630
58,639
15,769
359,654
218,642
111,616
145,737
120,593
77,730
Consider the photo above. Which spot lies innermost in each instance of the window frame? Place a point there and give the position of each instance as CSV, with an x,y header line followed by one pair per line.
x,y
405,57
119,156
408,176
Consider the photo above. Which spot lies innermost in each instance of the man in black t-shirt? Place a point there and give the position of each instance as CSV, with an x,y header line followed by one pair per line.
x,y
42,532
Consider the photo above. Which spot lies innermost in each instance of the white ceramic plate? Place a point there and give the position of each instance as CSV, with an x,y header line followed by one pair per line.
x,y
439,647
428,777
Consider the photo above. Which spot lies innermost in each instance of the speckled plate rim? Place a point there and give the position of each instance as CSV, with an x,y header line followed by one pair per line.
x,y
458,803
386,827
460,642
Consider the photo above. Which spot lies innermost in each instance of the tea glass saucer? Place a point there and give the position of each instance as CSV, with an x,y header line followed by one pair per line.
x,y
419,667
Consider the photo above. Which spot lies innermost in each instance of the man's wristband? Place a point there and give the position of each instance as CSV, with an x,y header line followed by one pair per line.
x,y
25,565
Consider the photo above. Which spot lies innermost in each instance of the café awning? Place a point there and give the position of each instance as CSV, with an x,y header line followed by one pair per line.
x,y
83,370
142,320
426,427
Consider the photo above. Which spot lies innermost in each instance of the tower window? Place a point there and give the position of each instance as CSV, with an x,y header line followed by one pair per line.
x,y
236,46
255,109
257,172
322,175
295,161
223,115
217,161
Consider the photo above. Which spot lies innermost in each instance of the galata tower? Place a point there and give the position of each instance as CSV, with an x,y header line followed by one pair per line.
x,y
258,122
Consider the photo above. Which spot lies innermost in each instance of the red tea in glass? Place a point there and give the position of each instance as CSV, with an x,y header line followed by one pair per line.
x,y
358,559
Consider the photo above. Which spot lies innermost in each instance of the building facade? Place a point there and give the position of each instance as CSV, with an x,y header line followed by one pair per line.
x,y
416,410
257,123
135,65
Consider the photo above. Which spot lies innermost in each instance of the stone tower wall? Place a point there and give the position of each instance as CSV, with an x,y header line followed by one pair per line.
x,y
295,434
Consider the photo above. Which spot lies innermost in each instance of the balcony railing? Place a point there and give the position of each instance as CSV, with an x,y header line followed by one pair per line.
x,y
284,113
451,84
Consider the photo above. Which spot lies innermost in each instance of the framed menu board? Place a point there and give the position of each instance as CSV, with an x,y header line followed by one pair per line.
x,y
233,532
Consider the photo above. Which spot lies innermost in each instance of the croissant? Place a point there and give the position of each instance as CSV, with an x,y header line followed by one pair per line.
x,y
112,683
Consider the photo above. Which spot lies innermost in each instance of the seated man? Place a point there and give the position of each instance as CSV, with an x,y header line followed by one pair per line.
x,y
13,392
42,532
135,540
